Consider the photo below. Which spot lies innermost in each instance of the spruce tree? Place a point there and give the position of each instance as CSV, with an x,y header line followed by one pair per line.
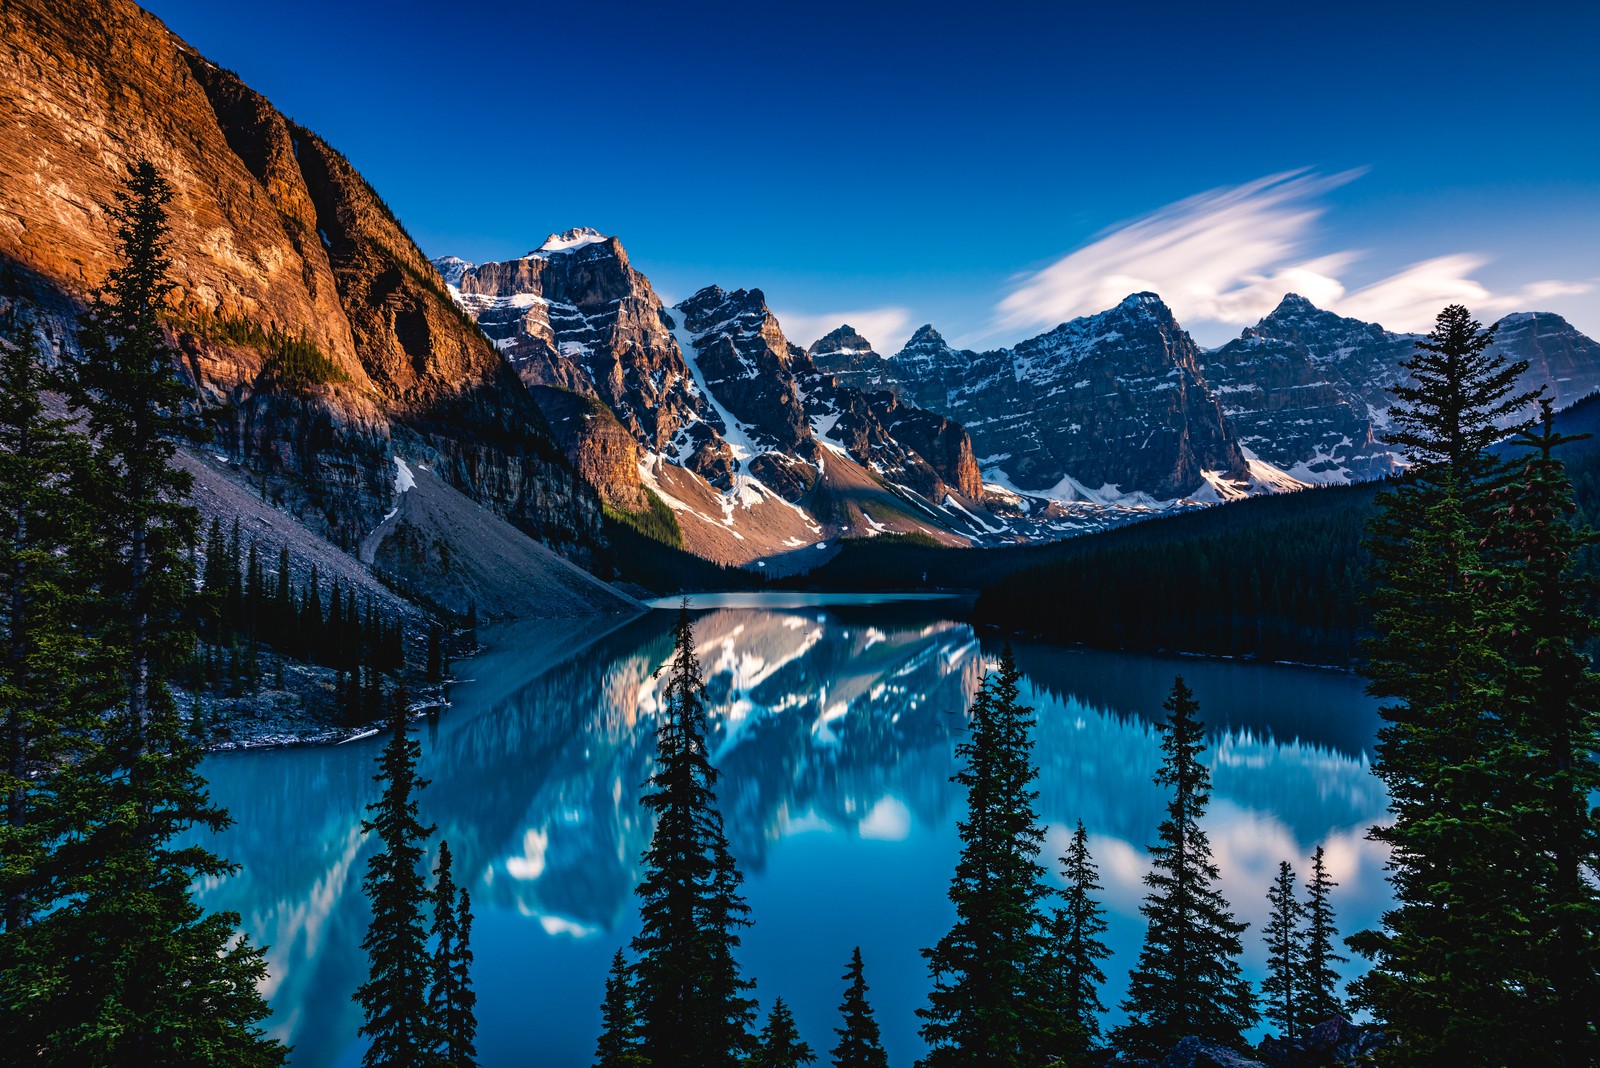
x,y
394,1000
1552,699
1073,954
618,1045
1319,982
129,969
1282,990
987,1002
859,1043
451,1000
780,1045
1187,980
46,707
1455,973
691,997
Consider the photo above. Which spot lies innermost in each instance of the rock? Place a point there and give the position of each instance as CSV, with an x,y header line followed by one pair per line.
x,y
1115,399
1195,1052
277,245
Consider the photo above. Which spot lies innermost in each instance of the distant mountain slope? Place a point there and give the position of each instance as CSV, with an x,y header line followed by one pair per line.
x,y
761,453
315,333
1113,403
1123,407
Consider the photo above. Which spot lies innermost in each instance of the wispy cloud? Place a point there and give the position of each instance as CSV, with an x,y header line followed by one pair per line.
x,y
887,328
1229,255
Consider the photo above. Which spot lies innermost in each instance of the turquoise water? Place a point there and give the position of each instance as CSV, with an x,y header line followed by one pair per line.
x,y
834,726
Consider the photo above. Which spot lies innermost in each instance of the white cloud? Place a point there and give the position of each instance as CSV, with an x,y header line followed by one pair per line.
x,y
887,328
1229,255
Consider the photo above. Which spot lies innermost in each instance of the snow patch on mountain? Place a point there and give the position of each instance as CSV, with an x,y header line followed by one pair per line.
x,y
568,240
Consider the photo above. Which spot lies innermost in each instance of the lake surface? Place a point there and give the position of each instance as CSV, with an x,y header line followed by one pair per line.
x,y
834,726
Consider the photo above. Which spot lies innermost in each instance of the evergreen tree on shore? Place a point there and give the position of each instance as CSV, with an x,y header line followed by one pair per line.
x,y
1073,954
618,1045
987,1003
780,1045
1456,972
1319,981
1283,988
394,1000
127,967
1187,980
451,1000
46,706
691,998
1553,700
860,1045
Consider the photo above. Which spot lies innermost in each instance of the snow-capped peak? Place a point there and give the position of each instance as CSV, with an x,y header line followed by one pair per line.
x,y
451,268
568,240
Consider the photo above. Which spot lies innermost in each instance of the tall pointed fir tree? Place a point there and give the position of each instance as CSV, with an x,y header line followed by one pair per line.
x,y
692,1000
860,1044
46,708
618,1045
1073,953
987,1001
452,1003
1285,936
1455,974
130,968
397,1019
1553,697
779,1045
1319,981
1187,980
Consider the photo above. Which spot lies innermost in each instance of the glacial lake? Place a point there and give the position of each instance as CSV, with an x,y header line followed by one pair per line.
x,y
834,725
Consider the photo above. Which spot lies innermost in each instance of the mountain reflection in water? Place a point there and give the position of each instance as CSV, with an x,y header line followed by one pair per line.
x,y
834,729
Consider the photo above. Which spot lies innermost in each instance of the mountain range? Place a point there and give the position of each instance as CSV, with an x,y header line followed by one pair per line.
x,y
558,391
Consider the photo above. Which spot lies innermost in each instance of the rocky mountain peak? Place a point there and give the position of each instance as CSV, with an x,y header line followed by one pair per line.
x,y
451,268
570,240
841,340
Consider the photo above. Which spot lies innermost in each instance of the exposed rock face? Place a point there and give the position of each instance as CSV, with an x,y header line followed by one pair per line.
x,y
274,239
574,313
1291,402
1115,399
744,361
1560,358
851,359
1308,390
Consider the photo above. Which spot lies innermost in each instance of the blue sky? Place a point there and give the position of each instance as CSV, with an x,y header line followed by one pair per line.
x,y
988,167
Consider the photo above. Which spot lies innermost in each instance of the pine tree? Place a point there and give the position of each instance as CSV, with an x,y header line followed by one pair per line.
x,y
1319,982
859,1043
451,1000
1552,699
987,1001
1282,990
129,969
1187,980
692,1003
394,999
47,703
779,1045
1073,954
1455,975
618,1046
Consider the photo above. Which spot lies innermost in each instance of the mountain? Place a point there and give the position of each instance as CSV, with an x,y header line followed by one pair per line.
x,y
319,341
1100,408
758,448
1307,390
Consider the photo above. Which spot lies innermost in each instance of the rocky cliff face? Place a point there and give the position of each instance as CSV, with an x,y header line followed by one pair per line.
x,y
1308,390
1111,403
851,359
709,405
277,244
